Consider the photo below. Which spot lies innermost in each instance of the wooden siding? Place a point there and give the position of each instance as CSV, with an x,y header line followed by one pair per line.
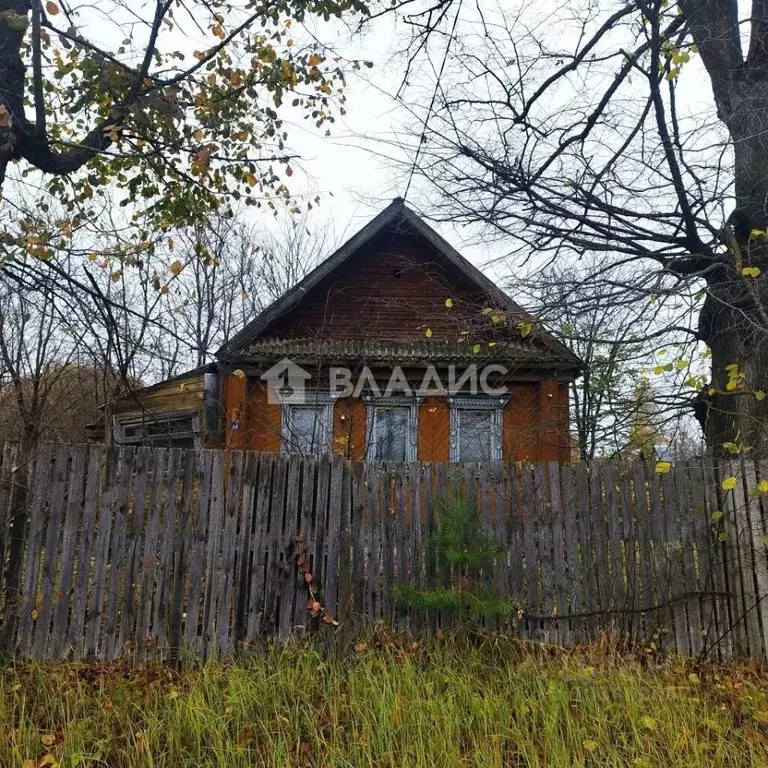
x,y
365,299
349,428
434,439
263,420
534,426
180,394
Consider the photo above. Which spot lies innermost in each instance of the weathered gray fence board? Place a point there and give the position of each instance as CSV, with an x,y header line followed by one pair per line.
x,y
150,552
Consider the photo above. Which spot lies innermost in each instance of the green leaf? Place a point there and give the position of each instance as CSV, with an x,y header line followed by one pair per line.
x,y
716,515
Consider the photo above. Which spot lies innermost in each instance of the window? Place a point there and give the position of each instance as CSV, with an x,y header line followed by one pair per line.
x,y
391,429
476,428
306,427
173,430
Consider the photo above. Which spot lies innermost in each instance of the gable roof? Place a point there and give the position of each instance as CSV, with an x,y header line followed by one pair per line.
x,y
395,214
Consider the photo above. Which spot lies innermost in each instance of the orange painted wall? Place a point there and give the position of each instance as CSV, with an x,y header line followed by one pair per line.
x,y
234,396
263,420
519,440
534,425
349,423
434,437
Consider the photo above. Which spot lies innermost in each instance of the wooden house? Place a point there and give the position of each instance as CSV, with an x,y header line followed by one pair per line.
x,y
394,348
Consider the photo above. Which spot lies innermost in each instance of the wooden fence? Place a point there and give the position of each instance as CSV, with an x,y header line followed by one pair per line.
x,y
148,553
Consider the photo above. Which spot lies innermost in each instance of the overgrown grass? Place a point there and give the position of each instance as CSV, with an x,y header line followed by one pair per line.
x,y
452,703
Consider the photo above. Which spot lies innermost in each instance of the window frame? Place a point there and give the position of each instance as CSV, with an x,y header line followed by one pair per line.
x,y
411,404
120,425
495,405
311,399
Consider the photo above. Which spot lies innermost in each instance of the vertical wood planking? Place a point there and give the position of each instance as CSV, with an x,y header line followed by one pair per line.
x,y
306,529
170,541
643,583
232,510
144,473
324,467
116,599
416,579
360,530
273,541
50,559
107,497
558,553
687,532
575,583
146,574
70,525
740,603
243,562
615,582
182,554
531,521
85,552
197,555
289,568
213,556
333,549
256,602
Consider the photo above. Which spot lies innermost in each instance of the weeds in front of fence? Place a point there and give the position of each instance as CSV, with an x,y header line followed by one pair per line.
x,y
473,700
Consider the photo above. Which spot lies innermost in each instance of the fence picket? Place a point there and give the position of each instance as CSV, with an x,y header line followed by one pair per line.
x,y
147,552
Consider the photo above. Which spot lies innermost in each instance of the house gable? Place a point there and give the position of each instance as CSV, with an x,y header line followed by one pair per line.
x,y
391,282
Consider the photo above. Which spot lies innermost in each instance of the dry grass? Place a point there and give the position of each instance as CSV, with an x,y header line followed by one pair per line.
x,y
452,703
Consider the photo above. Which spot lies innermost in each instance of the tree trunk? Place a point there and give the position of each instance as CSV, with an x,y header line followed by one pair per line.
x,y
733,324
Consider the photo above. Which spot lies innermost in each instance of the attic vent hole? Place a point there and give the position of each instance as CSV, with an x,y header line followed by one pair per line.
x,y
397,274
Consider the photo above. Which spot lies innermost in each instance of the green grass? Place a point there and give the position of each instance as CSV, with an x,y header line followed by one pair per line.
x,y
449,704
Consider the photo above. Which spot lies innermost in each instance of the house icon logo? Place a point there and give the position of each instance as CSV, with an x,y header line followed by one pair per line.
x,y
286,382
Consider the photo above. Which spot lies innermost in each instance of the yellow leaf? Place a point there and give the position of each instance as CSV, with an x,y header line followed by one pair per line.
x,y
648,722
491,343
693,678
750,271
428,333
663,467
448,303
48,761
199,134
47,739
315,59
476,348
116,276
762,486
92,257
590,745
495,319
729,483
732,384
176,267
760,395
756,232
174,694
52,8
239,372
